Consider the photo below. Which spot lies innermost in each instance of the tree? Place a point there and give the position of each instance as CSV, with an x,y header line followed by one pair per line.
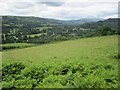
x,y
104,30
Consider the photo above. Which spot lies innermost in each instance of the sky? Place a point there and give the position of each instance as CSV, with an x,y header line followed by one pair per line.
x,y
61,9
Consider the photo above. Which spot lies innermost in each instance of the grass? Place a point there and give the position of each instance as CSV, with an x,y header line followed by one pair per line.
x,y
82,63
98,49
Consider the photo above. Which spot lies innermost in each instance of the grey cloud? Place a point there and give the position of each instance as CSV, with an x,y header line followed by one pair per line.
x,y
18,11
53,3
23,5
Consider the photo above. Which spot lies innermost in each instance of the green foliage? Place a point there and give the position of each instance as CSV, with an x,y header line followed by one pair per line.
x,y
14,68
16,45
104,30
97,76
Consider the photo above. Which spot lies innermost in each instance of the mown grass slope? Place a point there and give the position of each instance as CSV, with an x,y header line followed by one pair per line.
x,y
96,50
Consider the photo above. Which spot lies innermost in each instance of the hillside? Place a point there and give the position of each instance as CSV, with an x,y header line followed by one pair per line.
x,y
16,29
81,21
63,50
82,63
111,22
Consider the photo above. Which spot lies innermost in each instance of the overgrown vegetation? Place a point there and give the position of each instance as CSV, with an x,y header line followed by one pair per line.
x,y
83,63
79,75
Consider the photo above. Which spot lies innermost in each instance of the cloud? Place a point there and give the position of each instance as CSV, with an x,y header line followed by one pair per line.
x,y
23,5
60,9
53,3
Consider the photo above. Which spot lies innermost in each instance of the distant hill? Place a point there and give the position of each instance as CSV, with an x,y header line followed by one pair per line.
x,y
17,29
82,21
49,20
111,22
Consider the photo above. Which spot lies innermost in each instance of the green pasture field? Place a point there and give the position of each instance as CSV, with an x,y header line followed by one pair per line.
x,y
96,50
82,63
33,35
